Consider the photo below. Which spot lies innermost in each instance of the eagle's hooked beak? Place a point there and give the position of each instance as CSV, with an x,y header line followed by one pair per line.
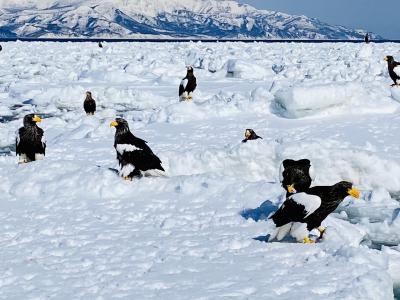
x,y
291,189
37,119
354,193
385,58
114,124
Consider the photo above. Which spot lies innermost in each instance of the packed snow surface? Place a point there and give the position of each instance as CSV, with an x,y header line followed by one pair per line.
x,y
72,229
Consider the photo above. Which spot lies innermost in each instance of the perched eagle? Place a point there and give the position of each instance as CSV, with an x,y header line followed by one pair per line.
x,y
89,104
250,135
133,154
394,70
187,86
30,143
1,48
303,212
366,38
296,176
100,45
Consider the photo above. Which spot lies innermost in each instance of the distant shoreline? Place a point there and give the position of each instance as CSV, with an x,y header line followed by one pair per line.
x,y
184,40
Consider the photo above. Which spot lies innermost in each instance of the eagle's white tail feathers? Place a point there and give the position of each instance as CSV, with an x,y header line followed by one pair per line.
x,y
283,231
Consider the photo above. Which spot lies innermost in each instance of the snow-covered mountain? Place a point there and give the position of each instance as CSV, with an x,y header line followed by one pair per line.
x,y
158,18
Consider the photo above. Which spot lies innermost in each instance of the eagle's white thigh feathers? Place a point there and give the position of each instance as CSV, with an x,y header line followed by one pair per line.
x,y
299,231
184,96
126,170
23,158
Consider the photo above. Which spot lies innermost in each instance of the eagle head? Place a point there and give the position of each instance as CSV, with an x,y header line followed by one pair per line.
x,y
388,58
120,124
31,120
345,188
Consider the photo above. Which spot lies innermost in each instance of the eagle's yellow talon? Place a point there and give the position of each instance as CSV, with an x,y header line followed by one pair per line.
x,y
322,231
127,178
307,240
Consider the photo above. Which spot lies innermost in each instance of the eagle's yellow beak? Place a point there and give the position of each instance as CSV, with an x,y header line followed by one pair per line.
x,y
354,193
37,119
114,124
291,189
386,58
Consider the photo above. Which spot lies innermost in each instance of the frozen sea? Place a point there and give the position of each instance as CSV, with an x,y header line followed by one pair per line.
x,y
72,229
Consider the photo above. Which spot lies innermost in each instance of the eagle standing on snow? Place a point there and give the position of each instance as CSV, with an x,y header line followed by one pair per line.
x,y
30,144
187,86
394,70
89,105
249,135
296,176
133,154
303,212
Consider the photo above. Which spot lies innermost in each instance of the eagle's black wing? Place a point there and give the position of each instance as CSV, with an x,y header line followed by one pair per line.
x,y
89,106
135,151
192,84
296,208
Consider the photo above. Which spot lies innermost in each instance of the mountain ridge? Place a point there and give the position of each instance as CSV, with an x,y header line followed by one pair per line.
x,y
159,19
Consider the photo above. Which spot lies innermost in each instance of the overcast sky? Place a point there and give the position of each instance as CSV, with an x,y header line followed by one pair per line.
x,y
378,16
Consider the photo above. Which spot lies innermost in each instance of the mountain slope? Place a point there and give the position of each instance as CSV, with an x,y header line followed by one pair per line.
x,y
158,18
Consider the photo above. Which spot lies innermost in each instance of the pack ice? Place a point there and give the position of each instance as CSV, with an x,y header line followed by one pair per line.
x,y
72,229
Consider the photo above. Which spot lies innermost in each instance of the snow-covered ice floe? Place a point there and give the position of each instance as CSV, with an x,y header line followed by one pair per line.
x,y
72,229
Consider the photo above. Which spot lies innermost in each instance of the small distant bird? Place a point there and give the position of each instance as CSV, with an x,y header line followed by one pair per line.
x,y
394,70
249,135
366,38
1,48
187,86
30,142
100,45
296,176
133,154
303,212
89,104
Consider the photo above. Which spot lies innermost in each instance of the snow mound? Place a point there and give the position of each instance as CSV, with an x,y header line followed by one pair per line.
x,y
366,51
223,104
333,162
241,161
243,69
325,99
